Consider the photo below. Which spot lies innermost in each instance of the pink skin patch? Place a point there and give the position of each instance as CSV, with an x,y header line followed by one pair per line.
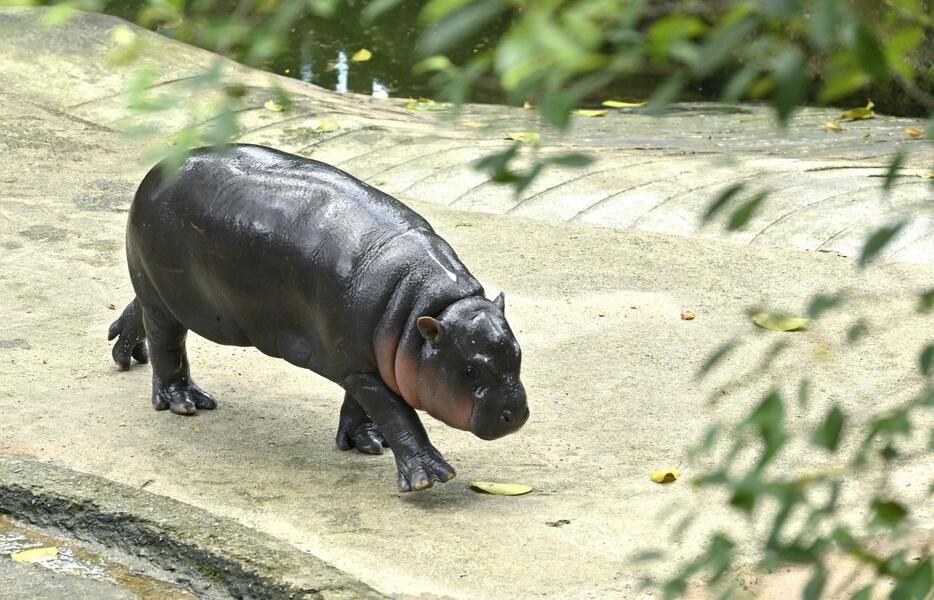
x,y
400,372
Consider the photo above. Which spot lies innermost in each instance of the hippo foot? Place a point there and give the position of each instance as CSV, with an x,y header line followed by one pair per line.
x,y
184,398
362,435
422,468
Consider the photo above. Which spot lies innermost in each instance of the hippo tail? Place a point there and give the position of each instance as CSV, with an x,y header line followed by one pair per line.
x,y
131,336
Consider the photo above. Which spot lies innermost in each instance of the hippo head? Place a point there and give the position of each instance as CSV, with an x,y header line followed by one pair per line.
x,y
468,375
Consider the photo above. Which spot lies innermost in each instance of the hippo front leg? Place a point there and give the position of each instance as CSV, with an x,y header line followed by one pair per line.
x,y
419,463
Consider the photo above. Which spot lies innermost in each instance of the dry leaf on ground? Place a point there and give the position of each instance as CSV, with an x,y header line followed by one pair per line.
x,y
665,475
35,554
500,489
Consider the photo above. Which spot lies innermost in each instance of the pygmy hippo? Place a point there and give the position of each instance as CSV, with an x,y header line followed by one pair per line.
x,y
251,246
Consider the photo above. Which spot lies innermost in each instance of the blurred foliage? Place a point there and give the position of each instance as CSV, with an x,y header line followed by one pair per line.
x,y
558,55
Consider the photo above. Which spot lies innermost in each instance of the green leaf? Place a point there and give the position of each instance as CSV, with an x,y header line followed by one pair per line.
x,y
815,587
722,42
927,360
769,419
666,93
740,82
827,434
888,513
869,53
789,74
438,62
741,215
377,8
459,25
916,584
892,172
863,594
877,242
435,10
723,198
823,24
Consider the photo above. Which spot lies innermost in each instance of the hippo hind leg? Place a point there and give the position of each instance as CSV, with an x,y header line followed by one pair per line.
x,y
172,386
357,430
130,335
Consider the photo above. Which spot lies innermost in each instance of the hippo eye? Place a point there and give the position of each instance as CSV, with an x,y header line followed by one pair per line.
x,y
470,372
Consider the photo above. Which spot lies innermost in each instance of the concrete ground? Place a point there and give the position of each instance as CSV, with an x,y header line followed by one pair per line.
x,y
609,363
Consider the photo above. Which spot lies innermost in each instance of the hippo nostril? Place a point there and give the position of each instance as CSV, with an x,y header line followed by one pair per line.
x,y
506,416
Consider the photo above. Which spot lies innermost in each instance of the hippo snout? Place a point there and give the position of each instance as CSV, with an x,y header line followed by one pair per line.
x,y
496,419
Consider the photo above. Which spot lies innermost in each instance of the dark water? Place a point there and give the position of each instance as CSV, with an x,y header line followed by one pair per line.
x,y
319,51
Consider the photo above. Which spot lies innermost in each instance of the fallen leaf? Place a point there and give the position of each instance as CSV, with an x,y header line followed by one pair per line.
x,y
500,489
526,137
425,104
778,321
666,475
587,112
687,315
914,132
558,523
529,105
327,126
35,554
463,224
856,114
274,106
122,35
476,124
361,55
617,104
929,175
112,307
196,428
121,424
832,126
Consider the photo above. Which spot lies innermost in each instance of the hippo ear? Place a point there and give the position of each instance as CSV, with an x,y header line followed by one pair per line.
x,y
500,302
431,329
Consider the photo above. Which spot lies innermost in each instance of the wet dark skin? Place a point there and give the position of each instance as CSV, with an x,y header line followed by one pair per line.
x,y
257,247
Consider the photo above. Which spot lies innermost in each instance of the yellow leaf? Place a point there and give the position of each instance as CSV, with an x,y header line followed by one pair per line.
x,y
35,554
617,104
832,126
855,114
666,475
463,224
778,321
529,105
274,106
928,175
361,55
687,315
500,489
914,132
586,112
122,35
476,124
327,126
425,104
526,137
